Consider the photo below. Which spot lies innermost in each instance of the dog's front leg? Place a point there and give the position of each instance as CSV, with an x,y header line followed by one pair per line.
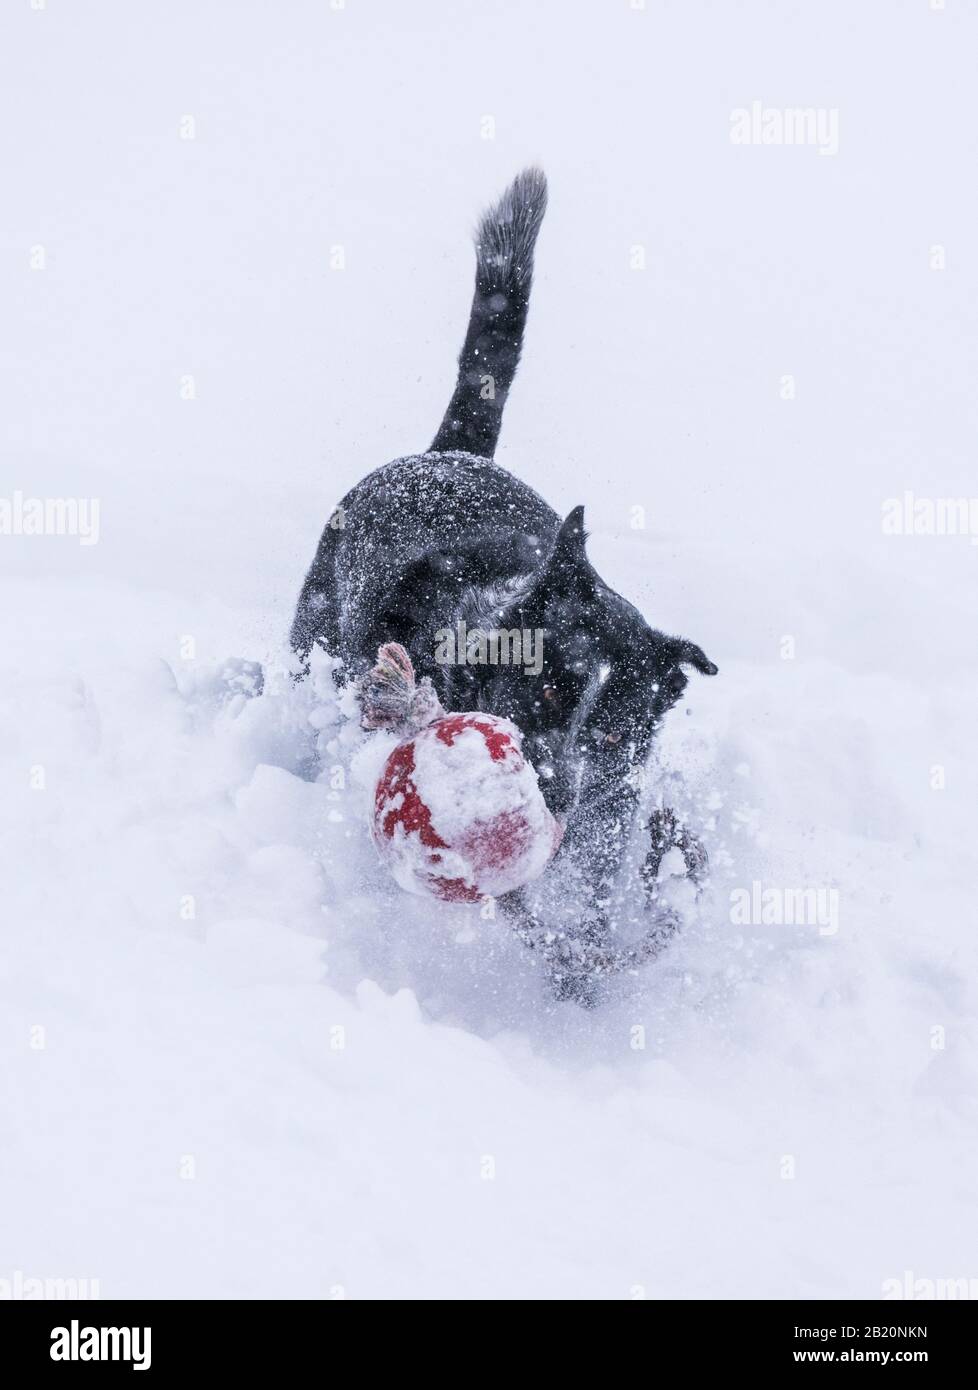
x,y
569,959
577,961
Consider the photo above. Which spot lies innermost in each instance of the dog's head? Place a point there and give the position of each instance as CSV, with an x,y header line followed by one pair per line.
x,y
597,682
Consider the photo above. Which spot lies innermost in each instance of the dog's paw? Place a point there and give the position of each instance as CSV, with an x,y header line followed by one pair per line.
x,y
573,987
668,835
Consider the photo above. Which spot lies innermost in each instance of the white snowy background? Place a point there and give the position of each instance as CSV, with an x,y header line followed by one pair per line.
x,y
315,1086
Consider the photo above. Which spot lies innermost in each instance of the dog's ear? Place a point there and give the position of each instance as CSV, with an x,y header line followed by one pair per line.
x,y
567,571
689,654
568,552
565,574
679,653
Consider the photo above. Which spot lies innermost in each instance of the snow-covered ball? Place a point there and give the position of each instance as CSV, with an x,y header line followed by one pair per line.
x,y
458,813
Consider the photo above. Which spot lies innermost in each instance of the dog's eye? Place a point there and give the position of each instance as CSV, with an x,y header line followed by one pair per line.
x,y
550,694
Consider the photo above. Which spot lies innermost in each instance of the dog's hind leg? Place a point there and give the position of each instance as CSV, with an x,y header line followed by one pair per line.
x,y
315,613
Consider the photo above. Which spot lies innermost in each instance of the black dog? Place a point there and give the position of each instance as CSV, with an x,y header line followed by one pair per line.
x,y
447,536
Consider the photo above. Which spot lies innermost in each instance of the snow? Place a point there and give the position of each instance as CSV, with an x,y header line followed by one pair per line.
x,y
235,1059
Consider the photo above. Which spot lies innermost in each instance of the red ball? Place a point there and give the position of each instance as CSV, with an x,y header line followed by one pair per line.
x,y
458,813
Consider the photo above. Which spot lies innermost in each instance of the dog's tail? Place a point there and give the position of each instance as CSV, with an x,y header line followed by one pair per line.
x,y
504,246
